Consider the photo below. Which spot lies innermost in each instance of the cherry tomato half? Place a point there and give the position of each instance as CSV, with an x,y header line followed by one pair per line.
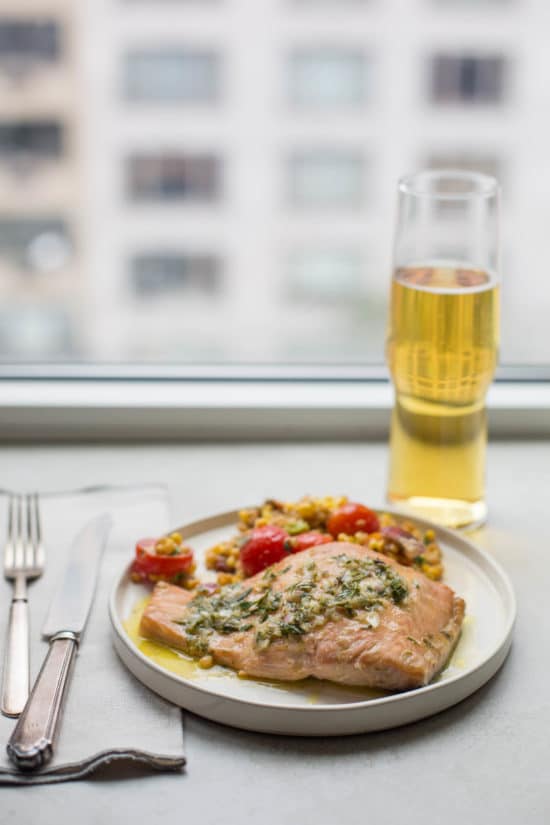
x,y
353,518
306,540
265,546
148,563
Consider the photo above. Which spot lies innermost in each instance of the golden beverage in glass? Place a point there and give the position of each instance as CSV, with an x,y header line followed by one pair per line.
x,y
442,347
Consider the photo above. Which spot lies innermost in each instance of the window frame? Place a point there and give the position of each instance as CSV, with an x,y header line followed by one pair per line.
x,y
243,403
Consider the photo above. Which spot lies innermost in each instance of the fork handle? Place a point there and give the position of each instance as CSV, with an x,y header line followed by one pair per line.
x,y
32,742
15,679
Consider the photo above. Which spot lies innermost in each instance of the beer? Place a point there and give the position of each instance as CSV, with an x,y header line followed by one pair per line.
x,y
441,351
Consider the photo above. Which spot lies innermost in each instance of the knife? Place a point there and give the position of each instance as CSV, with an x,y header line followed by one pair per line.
x,y
32,741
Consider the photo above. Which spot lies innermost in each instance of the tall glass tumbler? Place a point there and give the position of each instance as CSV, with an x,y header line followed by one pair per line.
x,y
442,343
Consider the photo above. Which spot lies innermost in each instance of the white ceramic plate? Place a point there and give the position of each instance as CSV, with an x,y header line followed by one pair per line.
x,y
316,708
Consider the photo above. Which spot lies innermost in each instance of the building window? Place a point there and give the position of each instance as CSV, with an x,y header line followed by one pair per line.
x,y
464,161
24,42
468,79
326,179
331,4
327,77
30,140
323,276
171,177
35,244
35,331
159,76
164,273
473,3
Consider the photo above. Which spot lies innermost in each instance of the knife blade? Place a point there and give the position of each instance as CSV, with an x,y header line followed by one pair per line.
x,y
33,739
73,596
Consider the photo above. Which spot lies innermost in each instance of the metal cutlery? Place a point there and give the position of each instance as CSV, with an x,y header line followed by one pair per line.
x,y
23,561
33,739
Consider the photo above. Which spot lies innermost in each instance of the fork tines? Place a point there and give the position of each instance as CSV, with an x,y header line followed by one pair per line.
x,y
24,550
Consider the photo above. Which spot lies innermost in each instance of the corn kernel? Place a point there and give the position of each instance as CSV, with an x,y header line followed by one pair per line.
x,y
433,571
431,554
176,537
206,661
165,547
305,509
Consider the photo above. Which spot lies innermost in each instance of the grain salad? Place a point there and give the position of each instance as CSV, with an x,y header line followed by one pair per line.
x,y
298,525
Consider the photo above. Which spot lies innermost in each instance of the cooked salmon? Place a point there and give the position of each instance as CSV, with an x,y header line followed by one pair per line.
x,y
338,611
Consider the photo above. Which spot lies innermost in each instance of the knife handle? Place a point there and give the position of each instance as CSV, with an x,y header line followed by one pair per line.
x,y
31,744
15,683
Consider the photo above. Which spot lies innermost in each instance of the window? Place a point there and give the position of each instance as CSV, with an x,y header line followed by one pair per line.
x,y
170,177
38,245
36,140
468,161
36,330
331,4
174,76
324,178
468,79
174,158
28,41
474,3
323,275
166,273
486,164
327,77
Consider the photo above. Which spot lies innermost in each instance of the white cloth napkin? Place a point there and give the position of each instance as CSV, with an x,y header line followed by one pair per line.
x,y
109,716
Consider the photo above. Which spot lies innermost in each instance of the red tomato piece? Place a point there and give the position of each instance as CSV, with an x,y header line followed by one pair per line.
x,y
148,563
306,540
265,546
353,518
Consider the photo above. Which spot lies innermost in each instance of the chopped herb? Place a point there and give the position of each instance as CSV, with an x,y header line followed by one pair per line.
x,y
297,527
360,586
291,629
398,589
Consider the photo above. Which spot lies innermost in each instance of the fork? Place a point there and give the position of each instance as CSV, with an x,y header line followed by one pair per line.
x,y
23,561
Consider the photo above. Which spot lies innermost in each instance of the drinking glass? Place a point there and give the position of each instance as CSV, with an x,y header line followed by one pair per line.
x,y
442,343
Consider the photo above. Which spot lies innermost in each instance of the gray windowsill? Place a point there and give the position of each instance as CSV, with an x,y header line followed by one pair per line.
x,y
95,409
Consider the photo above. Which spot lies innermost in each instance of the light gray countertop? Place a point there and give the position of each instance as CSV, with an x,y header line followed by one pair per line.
x,y
484,761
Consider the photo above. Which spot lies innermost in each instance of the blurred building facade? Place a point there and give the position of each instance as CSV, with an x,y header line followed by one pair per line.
x,y
40,280
206,180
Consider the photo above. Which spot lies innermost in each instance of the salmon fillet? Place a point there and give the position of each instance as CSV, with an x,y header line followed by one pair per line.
x,y
339,611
